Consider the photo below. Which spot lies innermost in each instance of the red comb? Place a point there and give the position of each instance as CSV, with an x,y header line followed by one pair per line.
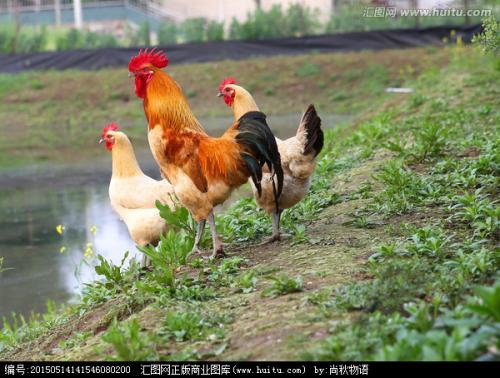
x,y
109,127
153,57
226,81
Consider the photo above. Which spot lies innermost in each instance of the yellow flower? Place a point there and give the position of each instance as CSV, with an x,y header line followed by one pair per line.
x,y
60,229
62,250
93,229
89,251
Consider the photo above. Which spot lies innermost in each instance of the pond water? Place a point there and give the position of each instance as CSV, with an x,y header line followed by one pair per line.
x,y
77,198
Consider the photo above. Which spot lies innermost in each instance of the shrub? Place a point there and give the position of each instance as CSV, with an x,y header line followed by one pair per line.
x,y
15,39
167,33
215,31
295,21
300,21
144,34
193,29
489,39
72,39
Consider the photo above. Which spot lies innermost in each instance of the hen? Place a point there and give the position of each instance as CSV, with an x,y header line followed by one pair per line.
x,y
133,194
298,153
202,169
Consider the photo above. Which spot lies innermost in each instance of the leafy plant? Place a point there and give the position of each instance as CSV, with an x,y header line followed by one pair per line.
x,y
76,339
193,325
247,282
129,343
221,275
282,285
430,241
430,140
171,253
489,301
180,217
478,211
112,273
489,39
403,189
299,234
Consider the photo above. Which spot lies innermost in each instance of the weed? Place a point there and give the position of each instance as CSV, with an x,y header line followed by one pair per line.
x,y
300,235
430,140
77,339
113,273
193,325
247,282
403,189
429,241
129,343
269,91
282,285
308,69
417,99
463,333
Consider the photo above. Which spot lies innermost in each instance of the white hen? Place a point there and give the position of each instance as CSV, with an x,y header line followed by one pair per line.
x,y
133,194
298,154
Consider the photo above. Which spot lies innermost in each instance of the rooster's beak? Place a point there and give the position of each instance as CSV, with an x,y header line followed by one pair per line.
x,y
101,140
220,94
130,74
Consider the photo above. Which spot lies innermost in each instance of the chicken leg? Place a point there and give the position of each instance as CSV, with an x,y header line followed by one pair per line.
x,y
276,236
199,237
218,250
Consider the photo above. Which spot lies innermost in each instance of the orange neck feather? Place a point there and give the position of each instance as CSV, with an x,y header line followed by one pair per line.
x,y
165,104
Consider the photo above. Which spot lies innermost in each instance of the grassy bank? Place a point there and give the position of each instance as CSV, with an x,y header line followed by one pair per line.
x,y
57,116
393,255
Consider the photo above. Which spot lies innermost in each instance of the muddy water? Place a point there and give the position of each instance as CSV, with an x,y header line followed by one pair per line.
x,y
34,202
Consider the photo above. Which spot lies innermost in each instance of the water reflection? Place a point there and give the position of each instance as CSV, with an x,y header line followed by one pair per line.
x,y
30,244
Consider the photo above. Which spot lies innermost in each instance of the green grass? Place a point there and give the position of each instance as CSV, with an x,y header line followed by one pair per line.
x,y
393,256
58,115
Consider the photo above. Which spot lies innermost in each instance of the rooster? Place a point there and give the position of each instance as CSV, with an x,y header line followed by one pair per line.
x,y
202,169
133,194
298,153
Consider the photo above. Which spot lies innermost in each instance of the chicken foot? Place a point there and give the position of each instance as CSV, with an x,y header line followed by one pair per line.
x,y
218,249
276,236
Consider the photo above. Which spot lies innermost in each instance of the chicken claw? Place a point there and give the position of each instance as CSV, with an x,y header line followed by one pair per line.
x,y
273,238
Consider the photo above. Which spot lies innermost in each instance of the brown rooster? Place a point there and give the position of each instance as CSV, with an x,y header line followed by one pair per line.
x,y
202,169
298,153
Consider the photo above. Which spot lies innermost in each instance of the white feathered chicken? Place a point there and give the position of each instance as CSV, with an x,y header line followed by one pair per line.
x,y
133,194
298,154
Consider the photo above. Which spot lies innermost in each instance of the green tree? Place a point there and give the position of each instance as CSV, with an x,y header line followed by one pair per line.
x,y
167,33
215,31
193,29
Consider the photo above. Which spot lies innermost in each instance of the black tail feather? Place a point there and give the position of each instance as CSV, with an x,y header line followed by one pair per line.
x,y
260,144
314,134
255,170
